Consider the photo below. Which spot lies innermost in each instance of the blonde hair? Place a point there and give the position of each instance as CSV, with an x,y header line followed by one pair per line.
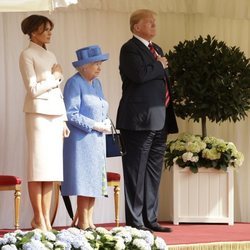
x,y
137,15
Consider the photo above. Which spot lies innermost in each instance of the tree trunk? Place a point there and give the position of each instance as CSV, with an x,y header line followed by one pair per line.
x,y
203,126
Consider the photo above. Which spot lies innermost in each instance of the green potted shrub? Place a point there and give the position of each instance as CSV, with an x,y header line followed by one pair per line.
x,y
211,81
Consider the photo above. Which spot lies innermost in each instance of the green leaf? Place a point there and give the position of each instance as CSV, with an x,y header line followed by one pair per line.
x,y
194,169
209,79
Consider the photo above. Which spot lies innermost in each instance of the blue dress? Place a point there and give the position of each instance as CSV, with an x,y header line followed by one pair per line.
x,y
84,152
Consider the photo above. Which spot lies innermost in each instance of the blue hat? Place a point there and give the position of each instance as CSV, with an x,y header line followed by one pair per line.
x,y
88,55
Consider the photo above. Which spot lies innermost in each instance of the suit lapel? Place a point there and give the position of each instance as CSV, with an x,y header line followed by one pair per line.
x,y
142,46
157,49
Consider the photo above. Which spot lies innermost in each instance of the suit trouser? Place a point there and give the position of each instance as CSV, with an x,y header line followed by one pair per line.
x,y
142,169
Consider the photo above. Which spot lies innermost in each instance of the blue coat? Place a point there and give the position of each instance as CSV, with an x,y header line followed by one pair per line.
x,y
84,151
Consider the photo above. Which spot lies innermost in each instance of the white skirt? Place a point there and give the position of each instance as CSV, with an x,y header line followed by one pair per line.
x,y
45,147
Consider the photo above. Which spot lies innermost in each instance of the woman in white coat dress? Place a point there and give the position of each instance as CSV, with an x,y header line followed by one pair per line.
x,y
45,117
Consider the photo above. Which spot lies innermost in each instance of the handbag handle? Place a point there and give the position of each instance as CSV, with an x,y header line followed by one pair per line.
x,y
117,135
113,128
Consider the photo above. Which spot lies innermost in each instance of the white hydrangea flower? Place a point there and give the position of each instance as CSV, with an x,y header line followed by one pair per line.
x,y
50,236
194,151
9,238
148,237
89,235
37,235
187,156
34,244
119,239
195,158
124,235
49,245
60,244
118,229
160,244
193,147
120,245
141,244
102,230
74,230
135,232
211,154
9,247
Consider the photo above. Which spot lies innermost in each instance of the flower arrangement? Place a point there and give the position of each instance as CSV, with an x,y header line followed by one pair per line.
x,y
118,238
194,151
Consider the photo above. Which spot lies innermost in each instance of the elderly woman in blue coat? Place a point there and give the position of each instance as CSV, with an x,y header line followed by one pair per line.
x,y
84,150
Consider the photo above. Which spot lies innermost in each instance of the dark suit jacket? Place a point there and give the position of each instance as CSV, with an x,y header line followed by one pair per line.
x,y
142,106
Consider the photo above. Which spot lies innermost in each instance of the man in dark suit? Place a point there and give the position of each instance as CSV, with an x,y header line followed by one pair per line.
x,y
145,117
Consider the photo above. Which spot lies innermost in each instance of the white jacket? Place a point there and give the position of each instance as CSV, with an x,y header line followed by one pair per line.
x,y
43,94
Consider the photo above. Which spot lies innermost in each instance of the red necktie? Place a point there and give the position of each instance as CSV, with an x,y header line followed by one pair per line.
x,y
152,50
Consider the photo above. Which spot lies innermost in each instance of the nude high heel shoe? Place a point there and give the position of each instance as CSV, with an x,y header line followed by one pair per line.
x,y
35,226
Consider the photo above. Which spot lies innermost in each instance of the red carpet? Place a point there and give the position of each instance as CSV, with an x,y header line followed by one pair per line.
x,y
194,233
205,233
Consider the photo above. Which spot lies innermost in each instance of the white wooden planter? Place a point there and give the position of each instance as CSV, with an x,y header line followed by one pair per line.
x,y
207,196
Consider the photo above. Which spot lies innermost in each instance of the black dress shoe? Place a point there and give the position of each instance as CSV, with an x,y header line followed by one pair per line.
x,y
143,228
159,228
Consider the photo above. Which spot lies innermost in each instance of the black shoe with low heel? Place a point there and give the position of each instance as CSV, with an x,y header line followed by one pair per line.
x,y
159,228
